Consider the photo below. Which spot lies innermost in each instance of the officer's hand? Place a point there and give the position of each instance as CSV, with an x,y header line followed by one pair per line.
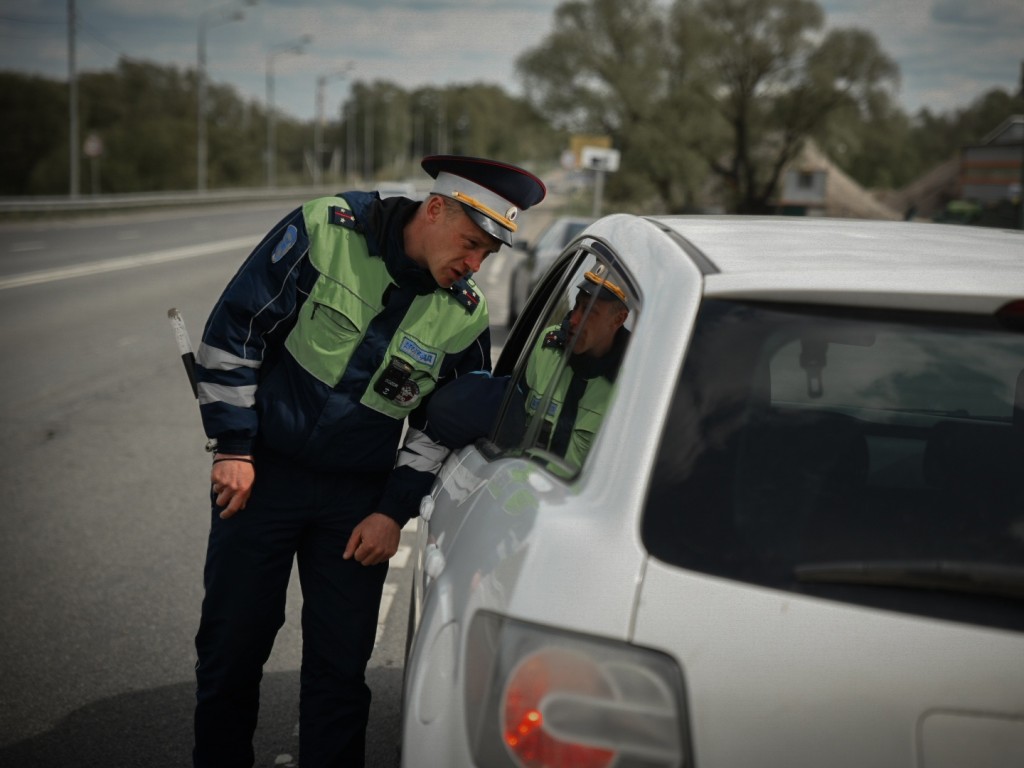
x,y
232,482
374,540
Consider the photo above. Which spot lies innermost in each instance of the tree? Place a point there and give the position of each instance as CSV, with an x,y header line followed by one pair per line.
x,y
606,69
391,129
873,144
35,114
760,66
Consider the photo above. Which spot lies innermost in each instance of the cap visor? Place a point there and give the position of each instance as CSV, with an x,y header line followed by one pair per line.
x,y
488,225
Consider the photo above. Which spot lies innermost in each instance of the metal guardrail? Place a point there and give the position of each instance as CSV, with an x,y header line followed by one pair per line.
x,y
15,207
91,203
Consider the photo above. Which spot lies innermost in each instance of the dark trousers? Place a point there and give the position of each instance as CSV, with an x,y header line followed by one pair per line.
x,y
291,513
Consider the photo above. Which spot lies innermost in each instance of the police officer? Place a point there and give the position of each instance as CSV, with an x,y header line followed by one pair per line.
x,y
596,335
594,332
333,333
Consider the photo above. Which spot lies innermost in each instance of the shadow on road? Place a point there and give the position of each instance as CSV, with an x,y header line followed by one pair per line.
x,y
153,729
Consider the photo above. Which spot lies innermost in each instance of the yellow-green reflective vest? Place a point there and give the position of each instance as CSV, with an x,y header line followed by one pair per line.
x,y
347,296
540,371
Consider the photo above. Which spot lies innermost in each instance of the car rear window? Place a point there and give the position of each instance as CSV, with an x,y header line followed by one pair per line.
x,y
864,456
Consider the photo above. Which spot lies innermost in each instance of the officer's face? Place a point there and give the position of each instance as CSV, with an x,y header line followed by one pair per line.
x,y
592,333
458,247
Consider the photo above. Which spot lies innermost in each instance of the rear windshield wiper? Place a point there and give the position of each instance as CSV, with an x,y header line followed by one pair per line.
x,y
951,575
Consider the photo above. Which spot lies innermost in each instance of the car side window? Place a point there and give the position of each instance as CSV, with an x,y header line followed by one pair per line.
x,y
564,378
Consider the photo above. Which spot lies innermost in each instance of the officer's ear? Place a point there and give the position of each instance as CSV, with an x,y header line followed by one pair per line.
x,y
620,317
435,206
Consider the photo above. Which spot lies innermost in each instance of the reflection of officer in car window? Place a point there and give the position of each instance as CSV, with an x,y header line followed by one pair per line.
x,y
595,335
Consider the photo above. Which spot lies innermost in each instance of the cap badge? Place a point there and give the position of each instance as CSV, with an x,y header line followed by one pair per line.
x,y
512,213
505,220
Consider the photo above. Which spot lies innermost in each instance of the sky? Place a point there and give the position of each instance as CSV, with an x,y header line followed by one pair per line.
x,y
949,51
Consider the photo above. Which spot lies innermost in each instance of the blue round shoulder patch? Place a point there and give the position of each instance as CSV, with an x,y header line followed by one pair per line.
x,y
288,239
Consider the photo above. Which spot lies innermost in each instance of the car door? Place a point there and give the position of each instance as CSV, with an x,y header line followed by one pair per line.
x,y
484,505
523,425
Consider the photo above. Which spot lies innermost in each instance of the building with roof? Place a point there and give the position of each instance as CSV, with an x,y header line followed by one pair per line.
x,y
813,185
991,171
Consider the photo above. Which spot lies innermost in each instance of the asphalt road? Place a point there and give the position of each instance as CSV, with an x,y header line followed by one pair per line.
x,y
103,505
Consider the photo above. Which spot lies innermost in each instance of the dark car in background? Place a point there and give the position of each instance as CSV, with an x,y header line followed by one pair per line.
x,y
538,257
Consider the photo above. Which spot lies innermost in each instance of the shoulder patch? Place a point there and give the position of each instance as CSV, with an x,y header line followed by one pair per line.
x,y
341,217
466,294
291,235
554,339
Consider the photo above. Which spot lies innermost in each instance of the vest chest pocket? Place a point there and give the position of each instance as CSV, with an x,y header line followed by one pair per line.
x,y
324,339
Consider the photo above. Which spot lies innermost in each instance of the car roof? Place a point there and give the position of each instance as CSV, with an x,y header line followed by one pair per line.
x,y
850,261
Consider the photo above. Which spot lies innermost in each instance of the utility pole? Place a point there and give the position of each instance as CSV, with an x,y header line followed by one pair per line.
x,y
297,47
72,103
318,125
350,138
207,19
368,171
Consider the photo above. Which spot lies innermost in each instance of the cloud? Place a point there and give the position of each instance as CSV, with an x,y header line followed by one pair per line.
x,y
949,53
429,6
996,16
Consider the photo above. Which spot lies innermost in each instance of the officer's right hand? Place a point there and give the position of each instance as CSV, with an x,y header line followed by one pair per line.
x,y
232,478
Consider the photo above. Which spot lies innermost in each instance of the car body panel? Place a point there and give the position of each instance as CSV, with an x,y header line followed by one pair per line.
x,y
769,684
759,665
888,264
528,494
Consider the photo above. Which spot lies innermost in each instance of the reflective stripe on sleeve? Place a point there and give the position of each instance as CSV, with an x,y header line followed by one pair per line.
x,y
243,397
421,453
213,359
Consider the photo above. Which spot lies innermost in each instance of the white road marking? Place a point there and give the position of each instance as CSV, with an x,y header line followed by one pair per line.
x,y
386,599
401,557
126,262
29,245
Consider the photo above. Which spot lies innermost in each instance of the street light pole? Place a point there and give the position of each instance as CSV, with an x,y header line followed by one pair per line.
x,y
72,103
297,47
318,125
207,19
368,171
350,137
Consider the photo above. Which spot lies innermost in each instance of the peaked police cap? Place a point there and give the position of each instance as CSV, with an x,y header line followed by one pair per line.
x,y
597,283
492,193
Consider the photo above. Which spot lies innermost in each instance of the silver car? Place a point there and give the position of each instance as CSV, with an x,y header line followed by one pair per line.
x,y
785,527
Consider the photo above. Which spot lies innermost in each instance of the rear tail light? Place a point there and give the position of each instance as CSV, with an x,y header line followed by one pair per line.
x,y
542,698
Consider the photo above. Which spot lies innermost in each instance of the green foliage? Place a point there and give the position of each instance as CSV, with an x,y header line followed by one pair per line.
x,y
775,82
606,69
145,116
882,148
35,114
236,135
707,100
391,129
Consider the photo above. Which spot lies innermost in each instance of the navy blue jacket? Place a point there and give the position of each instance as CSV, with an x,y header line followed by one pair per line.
x,y
256,399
